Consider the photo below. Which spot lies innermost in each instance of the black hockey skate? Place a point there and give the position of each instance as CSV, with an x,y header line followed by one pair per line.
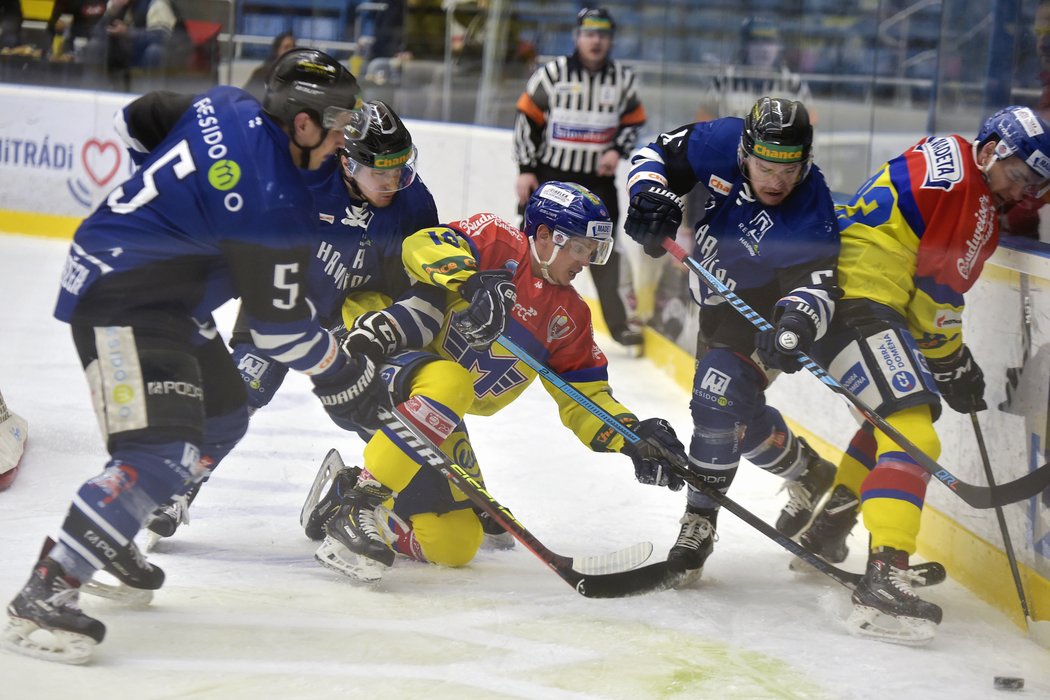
x,y
805,493
166,519
136,578
354,543
696,541
338,493
826,536
886,608
48,603
495,537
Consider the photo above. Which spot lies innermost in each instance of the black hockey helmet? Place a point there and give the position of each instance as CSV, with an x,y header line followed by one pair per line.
x,y
777,130
307,80
376,138
595,19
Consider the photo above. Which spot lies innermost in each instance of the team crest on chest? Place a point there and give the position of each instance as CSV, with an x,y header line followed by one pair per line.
x,y
560,326
359,216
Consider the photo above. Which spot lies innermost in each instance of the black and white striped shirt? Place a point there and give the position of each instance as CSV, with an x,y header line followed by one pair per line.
x,y
568,117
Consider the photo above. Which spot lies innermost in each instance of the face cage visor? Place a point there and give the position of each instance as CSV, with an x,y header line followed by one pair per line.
x,y
357,119
398,173
595,251
1035,183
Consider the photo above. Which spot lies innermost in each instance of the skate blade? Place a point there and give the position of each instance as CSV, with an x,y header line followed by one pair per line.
x,y
30,639
119,592
622,560
330,466
333,555
152,539
868,622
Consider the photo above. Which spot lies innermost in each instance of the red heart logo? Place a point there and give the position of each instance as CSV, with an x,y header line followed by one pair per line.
x,y
100,164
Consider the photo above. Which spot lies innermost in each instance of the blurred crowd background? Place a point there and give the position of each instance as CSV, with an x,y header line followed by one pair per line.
x,y
875,72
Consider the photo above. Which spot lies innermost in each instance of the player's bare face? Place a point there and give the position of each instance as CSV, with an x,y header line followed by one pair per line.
x,y
771,183
593,48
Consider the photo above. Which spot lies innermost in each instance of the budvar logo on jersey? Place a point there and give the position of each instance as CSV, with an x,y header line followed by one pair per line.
x,y
944,164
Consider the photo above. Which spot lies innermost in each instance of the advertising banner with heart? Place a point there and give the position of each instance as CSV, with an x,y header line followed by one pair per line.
x,y
61,160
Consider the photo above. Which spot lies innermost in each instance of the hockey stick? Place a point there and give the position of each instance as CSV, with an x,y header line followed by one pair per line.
x,y
933,574
977,496
1008,546
602,576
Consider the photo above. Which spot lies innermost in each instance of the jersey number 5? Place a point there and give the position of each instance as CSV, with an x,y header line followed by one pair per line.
x,y
181,161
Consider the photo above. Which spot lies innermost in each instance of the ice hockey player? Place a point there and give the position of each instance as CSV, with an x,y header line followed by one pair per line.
x,y
769,233
217,210
368,199
499,280
915,238
13,434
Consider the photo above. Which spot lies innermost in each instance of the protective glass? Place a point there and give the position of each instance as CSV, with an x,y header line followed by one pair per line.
x,y
595,251
393,172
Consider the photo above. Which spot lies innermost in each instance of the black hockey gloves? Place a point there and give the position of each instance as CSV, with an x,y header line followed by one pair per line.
x,y
354,394
653,455
653,215
262,376
491,295
960,380
779,347
372,334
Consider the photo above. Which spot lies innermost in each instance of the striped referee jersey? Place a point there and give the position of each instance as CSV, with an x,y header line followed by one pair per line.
x,y
568,117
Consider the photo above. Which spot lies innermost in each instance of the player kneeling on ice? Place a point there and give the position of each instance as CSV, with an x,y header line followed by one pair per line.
x,y
500,280
911,247
769,233
217,210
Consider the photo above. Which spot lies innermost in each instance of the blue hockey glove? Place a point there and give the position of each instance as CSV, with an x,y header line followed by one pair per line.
x,y
655,452
354,394
492,295
960,380
262,375
780,346
653,215
372,334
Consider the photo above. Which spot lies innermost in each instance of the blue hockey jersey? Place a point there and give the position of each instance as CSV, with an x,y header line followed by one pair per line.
x,y
765,254
358,249
217,210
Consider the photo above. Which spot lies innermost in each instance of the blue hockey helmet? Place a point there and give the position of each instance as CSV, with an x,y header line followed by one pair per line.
x,y
307,80
571,211
1022,133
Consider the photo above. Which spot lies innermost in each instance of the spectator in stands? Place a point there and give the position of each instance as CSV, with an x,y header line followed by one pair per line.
x,y
282,44
86,14
137,34
10,24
